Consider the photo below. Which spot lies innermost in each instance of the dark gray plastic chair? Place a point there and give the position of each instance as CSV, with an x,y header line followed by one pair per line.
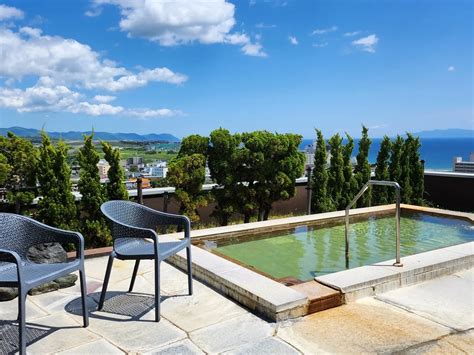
x,y
17,235
133,228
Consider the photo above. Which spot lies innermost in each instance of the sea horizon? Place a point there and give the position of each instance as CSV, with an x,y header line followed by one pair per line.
x,y
438,153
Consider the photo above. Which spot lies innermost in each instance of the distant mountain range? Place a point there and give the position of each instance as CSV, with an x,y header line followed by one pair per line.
x,y
446,133
106,136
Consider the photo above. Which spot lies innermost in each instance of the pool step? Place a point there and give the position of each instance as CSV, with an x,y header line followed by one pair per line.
x,y
320,296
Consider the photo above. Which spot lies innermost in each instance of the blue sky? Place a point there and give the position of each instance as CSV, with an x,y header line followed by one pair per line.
x,y
192,66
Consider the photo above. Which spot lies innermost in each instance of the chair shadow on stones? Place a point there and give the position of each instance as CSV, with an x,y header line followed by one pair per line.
x,y
127,306
9,332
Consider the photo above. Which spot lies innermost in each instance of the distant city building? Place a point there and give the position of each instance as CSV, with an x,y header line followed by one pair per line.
x,y
135,161
309,152
461,166
103,167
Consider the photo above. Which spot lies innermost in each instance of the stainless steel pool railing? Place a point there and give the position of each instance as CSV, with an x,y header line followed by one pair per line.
x,y
397,216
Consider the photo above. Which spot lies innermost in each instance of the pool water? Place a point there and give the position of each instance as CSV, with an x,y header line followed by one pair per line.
x,y
309,251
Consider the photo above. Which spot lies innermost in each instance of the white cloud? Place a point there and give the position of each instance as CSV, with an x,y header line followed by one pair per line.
x,y
320,45
93,12
45,97
7,12
261,25
322,31
352,34
248,47
254,49
451,68
172,23
149,113
65,71
68,62
293,40
32,32
104,98
366,44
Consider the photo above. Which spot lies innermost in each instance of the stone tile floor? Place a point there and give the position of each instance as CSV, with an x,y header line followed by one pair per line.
x,y
435,317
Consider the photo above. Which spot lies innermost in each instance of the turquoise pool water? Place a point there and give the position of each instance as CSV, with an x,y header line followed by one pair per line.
x,y
309,251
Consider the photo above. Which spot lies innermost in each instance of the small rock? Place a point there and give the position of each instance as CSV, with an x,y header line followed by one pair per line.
x,y
8,293
47,253
44,288
66,281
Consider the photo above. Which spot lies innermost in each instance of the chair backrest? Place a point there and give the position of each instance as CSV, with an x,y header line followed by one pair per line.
x,y
17,233
129,213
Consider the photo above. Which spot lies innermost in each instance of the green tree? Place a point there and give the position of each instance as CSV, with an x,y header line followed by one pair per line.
x,y
417,175
395,166
320,199
93,225
194,144
115,186
187,174
282,165
349,179
362,169
406,172
5,169
380,193
222,161
336,173
56,206
19,168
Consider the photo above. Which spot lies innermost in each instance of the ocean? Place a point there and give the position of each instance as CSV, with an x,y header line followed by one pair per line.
x,y
438,153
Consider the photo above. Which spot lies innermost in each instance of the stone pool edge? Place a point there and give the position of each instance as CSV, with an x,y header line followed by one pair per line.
x,y
369,280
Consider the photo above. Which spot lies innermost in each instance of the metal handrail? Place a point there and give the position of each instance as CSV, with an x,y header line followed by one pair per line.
x,y
397,215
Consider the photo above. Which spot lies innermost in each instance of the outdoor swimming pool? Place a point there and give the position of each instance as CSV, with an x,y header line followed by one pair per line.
x,y
309,251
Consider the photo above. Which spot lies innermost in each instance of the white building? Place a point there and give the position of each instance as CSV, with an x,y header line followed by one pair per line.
x,y
461,166
103,167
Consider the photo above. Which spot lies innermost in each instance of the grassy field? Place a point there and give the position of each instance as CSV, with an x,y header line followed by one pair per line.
x,y
129,150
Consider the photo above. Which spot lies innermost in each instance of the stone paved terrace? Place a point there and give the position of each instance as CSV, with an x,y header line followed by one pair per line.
x,y
436,317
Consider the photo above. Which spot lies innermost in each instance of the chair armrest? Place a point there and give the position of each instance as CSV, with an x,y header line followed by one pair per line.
x,y
9,256
164,219
42,233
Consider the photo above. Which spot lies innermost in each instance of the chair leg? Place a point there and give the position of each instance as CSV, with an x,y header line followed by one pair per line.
x,y
190,270
106,281
157,290
85,311
22,320
134,275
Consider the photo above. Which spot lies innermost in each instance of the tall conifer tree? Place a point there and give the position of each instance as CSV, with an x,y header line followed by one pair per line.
x,y
362,169
336,173
417,175
406,172
380,193
320,200
94,228
349,179
115,186
57,205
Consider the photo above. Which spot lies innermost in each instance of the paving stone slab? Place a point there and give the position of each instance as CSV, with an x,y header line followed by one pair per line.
x,y
448,300
9,310
270,346
461,343
205,307
184,347
364,326
231,334
96,347
135,335
63,333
